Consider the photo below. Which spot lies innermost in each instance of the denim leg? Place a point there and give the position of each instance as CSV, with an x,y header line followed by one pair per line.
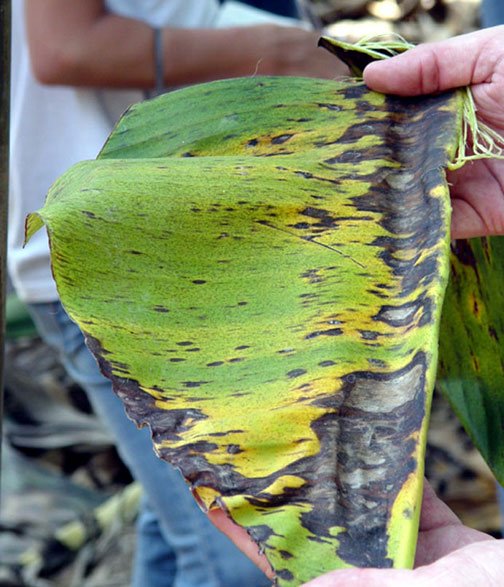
x,y
152,564
204,556
500,501
492,12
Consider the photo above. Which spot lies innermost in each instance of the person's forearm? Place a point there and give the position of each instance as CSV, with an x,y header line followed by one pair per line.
x,y
193,56
80,44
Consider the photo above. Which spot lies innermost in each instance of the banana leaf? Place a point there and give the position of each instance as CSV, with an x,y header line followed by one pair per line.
x,y
471,366
259,266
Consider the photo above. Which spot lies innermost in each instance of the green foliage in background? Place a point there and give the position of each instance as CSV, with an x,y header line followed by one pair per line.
x,y
471,371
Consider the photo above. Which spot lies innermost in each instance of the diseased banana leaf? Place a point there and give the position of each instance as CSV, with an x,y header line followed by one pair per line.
x,y
472,329
471,373
259,266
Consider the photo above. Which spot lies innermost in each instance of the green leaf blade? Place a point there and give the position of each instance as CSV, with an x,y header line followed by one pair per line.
x,y
471,373
272,312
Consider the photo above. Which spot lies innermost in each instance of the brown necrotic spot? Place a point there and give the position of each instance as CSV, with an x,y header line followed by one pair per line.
x,y
328,332
305,174
328,363
285,575
332,107
280,139
464,253
285,351
323,216
300,225
377,362
296,373
351,156
369,334
382,395
194,383
202,446
358,92
313,275
406,314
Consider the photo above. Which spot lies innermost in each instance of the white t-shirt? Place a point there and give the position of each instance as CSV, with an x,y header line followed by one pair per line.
x,y
54,127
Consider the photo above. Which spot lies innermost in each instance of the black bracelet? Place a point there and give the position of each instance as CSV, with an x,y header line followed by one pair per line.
x,y
159,61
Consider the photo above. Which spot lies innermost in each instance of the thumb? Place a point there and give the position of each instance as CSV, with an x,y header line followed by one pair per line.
x,y
478,565
434,67
365,578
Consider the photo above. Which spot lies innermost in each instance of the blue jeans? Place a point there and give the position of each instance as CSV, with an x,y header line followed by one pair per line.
x,y
492,13
177,546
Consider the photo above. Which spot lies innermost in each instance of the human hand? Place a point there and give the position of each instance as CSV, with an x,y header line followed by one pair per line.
x,y
448,554
476,60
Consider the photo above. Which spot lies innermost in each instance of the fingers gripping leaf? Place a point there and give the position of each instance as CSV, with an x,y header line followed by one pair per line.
x,y
258,266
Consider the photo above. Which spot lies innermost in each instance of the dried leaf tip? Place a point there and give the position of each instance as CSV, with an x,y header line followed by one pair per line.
x,y
370,48
33,223
476,140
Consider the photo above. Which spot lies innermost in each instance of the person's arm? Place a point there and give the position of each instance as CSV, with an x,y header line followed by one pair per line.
x,y
476,60
79,43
